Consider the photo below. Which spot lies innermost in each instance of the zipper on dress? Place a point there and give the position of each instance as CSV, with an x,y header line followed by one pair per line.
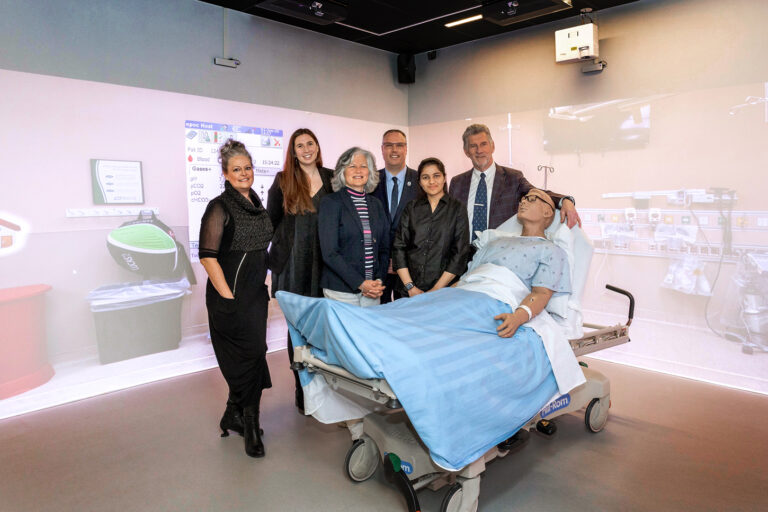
x,y
234,285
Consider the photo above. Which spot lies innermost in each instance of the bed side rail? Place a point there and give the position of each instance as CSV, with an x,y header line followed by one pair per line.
x,y
631,313
377,390
602,337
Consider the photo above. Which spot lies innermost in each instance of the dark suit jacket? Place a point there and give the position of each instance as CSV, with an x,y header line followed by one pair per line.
x,y
509,186
410,188
284,224
341,241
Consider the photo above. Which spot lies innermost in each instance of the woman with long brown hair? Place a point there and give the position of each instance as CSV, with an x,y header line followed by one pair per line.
x,y
292,204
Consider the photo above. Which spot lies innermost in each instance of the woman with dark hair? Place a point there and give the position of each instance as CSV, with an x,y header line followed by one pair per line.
x,y
354,232
431,246
234,234
292,204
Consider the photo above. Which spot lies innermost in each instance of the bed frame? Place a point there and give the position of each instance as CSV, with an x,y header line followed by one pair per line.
x,y
387,436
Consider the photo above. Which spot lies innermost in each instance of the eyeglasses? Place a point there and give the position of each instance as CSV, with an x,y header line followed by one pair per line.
x,y
532,198
394,145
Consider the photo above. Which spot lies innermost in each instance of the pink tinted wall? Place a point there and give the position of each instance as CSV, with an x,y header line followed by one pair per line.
x,y
698,139
51,128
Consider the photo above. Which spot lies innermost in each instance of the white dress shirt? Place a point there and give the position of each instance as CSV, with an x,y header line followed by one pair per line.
x,y
490,174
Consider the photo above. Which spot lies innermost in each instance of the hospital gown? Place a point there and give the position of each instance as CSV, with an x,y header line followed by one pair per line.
x,y
536,261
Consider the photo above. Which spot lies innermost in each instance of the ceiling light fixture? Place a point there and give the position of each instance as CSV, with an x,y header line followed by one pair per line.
x,y
465,20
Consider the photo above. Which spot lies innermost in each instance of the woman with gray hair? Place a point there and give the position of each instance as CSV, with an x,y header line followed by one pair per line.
x,y
354,232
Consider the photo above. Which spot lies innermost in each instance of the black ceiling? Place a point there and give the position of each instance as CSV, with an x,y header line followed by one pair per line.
x,y
377,17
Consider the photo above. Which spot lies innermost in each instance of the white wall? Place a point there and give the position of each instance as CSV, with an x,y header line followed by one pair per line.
x,y
123,64
651,46
691,62
170,45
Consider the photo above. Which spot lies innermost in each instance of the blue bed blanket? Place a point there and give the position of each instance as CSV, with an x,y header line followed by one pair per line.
x,y
463,387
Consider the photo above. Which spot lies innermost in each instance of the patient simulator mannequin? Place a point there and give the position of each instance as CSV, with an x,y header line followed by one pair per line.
x,y
540,263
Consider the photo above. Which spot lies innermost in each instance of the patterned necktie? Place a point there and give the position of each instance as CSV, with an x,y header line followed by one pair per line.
x,y
393,199
480,215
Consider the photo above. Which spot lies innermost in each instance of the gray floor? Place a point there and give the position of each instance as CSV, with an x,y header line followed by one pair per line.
x,y
670,444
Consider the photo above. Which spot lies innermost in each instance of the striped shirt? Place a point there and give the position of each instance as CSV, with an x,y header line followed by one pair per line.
x,y
358,200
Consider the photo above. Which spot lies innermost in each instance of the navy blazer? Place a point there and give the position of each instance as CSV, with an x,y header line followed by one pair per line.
x,y
509,187
341,241
410,192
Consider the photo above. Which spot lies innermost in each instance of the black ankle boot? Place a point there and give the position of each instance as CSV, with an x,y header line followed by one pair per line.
x,y
300,400
254,446
232,419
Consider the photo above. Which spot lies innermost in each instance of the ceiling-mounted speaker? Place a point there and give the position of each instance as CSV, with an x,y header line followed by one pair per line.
x,y
406,68
319,12
509,12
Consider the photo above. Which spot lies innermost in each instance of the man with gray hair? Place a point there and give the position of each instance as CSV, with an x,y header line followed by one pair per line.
x,y
492,192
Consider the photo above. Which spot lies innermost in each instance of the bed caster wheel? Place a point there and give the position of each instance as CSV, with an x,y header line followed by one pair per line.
x,y
747,350
362,460
597,414
546,427
456,500
452,499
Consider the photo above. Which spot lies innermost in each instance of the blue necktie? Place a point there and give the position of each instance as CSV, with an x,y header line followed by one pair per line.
x,y
480,215
393,199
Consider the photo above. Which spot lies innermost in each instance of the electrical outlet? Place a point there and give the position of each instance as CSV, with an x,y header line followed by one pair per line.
x,y
685,219
669,219
762,222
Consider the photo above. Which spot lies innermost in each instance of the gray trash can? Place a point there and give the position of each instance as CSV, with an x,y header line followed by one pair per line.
x,y
135,319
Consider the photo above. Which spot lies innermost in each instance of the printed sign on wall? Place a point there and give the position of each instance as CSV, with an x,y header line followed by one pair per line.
x,y
116,182
204,178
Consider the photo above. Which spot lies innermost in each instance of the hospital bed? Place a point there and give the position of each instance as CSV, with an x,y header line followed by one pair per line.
x,y
387,437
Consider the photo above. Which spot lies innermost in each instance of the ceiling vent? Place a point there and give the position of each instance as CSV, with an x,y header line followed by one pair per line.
x,y
509,12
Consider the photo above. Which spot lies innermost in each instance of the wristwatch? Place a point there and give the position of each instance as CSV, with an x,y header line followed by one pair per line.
x,y
409,286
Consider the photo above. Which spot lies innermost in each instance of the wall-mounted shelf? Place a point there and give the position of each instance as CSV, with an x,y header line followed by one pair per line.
x,y
111,211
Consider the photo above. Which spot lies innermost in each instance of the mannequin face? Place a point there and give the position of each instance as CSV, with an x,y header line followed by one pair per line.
x,y
357,172
536,206
306,149
240,173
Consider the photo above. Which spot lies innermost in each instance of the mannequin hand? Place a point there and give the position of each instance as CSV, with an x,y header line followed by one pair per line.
x,y
509,325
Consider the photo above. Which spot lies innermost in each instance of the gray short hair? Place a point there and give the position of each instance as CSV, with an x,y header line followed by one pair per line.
x,y
474,129
338,182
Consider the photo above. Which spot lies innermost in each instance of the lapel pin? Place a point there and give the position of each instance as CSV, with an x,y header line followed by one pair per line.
x,y
408,183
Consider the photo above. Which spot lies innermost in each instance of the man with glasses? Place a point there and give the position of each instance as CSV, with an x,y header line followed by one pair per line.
x,y
492,192
398,185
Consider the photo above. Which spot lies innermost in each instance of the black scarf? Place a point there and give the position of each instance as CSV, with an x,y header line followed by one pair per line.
x,y
253,229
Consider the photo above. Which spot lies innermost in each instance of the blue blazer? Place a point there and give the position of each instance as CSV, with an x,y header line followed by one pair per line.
x,y
410,192
341,241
